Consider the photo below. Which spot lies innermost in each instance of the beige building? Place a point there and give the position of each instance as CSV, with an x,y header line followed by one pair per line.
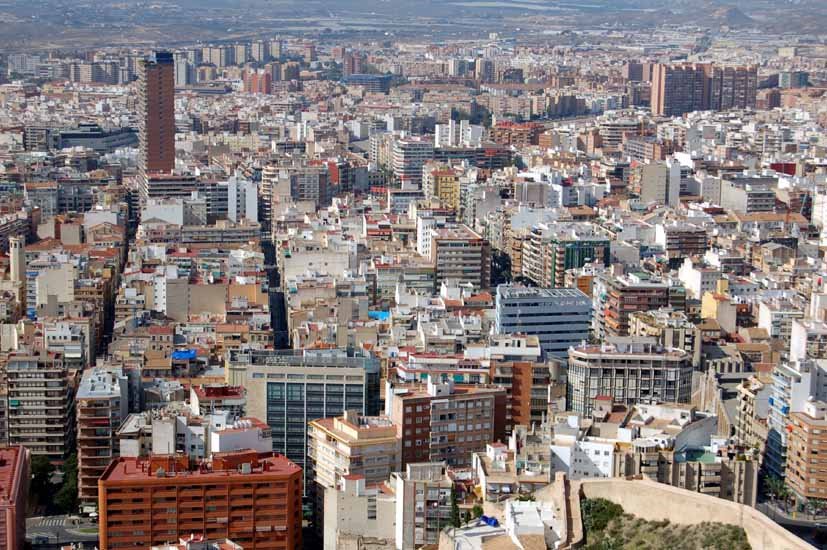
x,y
353,444
720,308
670,328
355,513
698,470
58,282
460,254
750,424
423,496
628,370
346,446
41,404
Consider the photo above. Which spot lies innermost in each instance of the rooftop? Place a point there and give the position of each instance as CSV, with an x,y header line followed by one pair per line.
x,y
218,392
513,292
11,462
100,382
175,470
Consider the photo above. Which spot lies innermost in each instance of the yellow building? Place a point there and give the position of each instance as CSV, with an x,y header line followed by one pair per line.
x,y
442,182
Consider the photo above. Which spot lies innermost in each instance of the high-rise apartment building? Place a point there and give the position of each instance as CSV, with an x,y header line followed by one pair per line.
x,y
632,71
629,370
681,240
352,444
806,447
462,255
241,53
14,490
660,183
679,89
309,183
625,295
276,48
518,364
156,113
291,388
184,71
551,249
733,87
346,447
258,81
102,404
251,499
685,87
309,52
41,409
558,317
484,70
409,156
445,422
793,384
793,79
352,63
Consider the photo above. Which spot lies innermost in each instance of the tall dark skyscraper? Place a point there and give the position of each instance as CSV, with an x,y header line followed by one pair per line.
x,y
156,113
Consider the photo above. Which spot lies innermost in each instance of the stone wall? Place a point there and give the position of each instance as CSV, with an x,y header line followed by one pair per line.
x,y
654,501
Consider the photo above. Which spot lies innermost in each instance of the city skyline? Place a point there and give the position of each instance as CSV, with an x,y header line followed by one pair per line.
x,y
393,275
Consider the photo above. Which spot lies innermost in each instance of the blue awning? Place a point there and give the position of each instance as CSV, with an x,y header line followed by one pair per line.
x,y
183,355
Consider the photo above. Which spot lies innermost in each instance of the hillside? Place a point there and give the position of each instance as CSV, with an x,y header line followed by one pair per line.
x,y
608,527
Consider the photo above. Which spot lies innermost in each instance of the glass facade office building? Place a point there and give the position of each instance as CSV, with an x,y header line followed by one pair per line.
x,y
288,389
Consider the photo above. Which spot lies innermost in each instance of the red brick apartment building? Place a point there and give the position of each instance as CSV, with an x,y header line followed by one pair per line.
x,y
14,488
254,500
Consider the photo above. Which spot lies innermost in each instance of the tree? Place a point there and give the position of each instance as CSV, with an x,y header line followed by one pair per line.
x,y
817,506
476,511
42,471
67,496
466,517
774,486
500,268
784,495
455,521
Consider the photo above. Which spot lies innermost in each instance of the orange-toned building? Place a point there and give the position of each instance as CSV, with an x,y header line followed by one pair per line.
x,y
254,500
517,133
806,448
14,488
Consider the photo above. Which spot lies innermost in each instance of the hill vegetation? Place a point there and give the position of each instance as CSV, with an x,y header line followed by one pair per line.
x,y
608,527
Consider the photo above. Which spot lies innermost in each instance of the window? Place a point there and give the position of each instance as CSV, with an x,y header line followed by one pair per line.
x,y
295,392
275,391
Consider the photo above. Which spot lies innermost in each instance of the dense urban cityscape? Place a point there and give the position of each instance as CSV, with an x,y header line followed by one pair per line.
x,y
388,275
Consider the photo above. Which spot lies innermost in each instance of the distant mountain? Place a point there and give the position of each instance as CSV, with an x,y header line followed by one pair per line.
x,y
51,24
733,17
